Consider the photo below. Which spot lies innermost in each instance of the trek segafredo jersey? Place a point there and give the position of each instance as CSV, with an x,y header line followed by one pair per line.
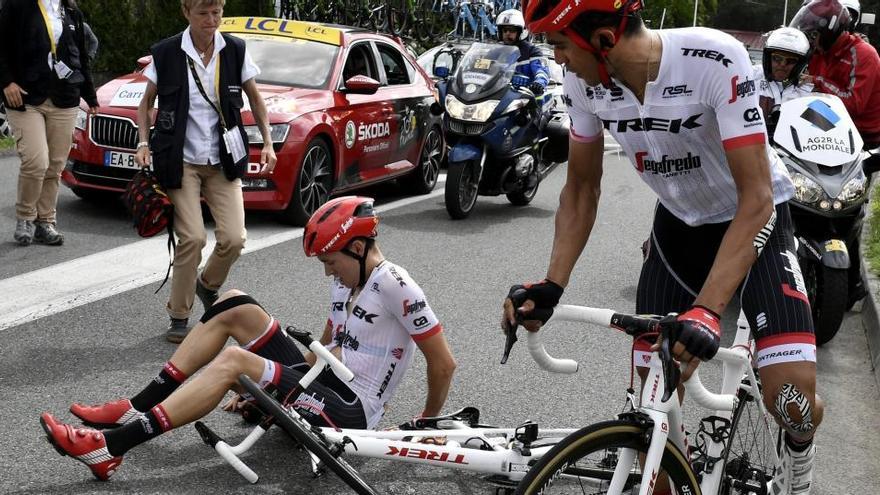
x,y
702,103
378,338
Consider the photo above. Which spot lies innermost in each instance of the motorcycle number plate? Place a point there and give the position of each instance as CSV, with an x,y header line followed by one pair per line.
x,y
835,245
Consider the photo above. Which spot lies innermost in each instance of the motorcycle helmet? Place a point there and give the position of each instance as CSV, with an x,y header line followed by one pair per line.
x,y
544,16
791,41
855,12
823,21
512,18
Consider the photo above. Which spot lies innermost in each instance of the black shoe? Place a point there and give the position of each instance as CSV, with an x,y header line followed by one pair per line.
x,y
206,295
177,330
46,233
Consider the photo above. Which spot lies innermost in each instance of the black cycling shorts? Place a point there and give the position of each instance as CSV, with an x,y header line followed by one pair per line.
x,y
327,394
773,295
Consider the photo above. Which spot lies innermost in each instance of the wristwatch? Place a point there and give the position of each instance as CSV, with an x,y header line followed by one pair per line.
x,y
142,144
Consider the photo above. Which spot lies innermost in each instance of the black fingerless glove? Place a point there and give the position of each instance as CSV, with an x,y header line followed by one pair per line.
x,y
699,331
545,294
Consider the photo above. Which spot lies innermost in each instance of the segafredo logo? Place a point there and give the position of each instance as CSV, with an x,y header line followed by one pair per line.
x,y
349,134
373,131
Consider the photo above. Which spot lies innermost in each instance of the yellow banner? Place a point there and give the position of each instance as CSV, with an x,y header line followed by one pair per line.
x,y
282,27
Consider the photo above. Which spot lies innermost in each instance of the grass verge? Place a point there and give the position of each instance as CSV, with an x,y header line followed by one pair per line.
x,y
873,230
6,143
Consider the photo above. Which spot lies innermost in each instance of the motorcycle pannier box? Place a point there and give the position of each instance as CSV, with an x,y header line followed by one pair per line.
x,y
556,149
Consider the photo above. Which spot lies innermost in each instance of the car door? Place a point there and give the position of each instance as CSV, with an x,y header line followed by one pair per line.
x,y
410,98
365,120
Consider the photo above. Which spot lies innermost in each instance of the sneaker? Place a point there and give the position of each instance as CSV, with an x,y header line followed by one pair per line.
x,y
795,475
83,444
47,234
206,295
177,330
24,232
109,415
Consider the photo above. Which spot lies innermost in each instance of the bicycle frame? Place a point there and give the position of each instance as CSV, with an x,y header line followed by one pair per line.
x,y
667,416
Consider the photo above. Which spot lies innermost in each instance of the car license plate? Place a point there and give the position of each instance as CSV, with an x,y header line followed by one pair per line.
x,y
119,159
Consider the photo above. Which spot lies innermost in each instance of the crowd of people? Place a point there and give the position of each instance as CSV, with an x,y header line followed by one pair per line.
x,y
720,231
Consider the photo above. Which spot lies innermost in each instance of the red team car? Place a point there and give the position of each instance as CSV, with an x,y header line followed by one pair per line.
x,y
347,108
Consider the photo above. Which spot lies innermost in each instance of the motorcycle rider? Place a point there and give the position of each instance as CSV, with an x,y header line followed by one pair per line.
x,y
531,64
786,54
683,105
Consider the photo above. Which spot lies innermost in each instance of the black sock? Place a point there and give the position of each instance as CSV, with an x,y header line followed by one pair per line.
x,y
150,425
159,389
796,446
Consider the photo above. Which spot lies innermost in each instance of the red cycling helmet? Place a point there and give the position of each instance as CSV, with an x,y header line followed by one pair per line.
x,y
548,16
338,222
822,20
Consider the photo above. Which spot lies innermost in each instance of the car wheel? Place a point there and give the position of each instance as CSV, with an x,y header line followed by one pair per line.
x,y
423,178
313,183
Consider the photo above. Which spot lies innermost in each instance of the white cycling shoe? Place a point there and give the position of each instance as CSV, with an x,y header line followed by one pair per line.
x,y
795,475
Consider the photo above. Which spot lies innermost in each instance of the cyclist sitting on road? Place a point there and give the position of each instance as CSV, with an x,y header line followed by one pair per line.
x,y
683,106
531,63
378,316
779,76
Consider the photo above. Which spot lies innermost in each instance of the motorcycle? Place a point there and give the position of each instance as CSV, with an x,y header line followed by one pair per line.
x,y
818,142
503,140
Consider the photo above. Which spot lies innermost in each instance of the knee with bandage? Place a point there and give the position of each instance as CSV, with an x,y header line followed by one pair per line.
x,y
794,411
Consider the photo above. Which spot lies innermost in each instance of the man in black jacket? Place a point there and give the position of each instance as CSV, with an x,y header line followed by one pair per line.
x,y
44,71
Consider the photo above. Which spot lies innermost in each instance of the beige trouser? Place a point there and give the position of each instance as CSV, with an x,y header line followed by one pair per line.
x,y
227,207
43,135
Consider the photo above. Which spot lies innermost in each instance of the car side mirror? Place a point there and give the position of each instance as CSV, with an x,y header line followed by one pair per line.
x,y
867,19
441,71
361,85
143,62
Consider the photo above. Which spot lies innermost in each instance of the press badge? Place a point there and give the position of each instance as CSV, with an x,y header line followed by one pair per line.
x,y
234,144
62,70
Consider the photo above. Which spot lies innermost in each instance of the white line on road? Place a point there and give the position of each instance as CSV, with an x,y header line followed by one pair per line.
x,y
67,285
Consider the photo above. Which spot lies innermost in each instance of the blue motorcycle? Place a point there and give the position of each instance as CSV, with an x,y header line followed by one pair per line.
x,y
503,140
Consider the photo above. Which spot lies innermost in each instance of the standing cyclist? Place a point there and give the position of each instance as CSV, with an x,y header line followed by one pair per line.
x,y
683,105
378,316
531,63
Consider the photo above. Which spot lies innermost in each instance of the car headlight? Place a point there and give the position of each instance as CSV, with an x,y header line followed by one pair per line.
x,y
515,105
854,190
81,119
277,131
478,112
805,189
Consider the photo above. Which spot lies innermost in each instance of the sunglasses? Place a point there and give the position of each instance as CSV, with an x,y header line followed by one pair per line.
x,y
779,59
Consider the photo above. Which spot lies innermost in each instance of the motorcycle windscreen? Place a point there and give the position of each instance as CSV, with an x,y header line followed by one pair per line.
x,y
484,70
818,129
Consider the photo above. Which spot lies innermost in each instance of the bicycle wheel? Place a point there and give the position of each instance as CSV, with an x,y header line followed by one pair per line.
x,y
584,462
751,453
308,438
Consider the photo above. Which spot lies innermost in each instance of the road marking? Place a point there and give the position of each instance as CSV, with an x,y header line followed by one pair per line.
x,y
57,288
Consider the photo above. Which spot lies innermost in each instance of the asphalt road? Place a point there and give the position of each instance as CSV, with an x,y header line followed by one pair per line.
x,y
110,347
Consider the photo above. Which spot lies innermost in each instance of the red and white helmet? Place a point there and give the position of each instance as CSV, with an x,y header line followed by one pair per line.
x,y
822,20
338,222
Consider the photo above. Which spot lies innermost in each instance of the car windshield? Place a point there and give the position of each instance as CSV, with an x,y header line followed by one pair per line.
x,y
297,63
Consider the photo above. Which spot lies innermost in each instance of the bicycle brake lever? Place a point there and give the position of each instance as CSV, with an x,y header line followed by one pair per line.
x,y
671,373
509,340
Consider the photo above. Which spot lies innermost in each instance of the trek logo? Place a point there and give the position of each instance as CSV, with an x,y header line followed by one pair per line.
x,y
673,126
562,14
387,380
414,307
710,54
740,89
397,276
421,322
666,165
362,314
428,455
373,131
567,100
337,306
675,91
752,115
654,389
345,339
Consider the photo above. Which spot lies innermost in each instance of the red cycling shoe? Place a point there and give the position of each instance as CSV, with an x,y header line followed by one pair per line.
x,y
109,415
85,445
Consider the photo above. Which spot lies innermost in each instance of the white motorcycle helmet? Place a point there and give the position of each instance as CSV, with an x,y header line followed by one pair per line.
x,y
514,18
855,12
788,40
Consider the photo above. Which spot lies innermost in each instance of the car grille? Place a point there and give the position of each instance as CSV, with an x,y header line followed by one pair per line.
x,y
98,175
114,132
468,128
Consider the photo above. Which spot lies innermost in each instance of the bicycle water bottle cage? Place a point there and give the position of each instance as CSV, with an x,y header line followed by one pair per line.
x,y
526,433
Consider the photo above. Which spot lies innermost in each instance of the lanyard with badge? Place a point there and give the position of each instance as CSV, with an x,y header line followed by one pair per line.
x,y
232,140
61,69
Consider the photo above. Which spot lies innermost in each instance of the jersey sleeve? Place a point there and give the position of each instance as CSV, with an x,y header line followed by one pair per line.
x,y
249,69
585,124
403,298
732,91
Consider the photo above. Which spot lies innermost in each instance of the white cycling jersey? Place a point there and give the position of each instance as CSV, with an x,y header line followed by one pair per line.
x,y
702,103
378,335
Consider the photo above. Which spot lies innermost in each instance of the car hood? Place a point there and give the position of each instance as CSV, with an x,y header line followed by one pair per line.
x,y
123,94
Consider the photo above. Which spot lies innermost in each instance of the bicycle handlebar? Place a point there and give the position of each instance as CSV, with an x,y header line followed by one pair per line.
x,y
323,354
